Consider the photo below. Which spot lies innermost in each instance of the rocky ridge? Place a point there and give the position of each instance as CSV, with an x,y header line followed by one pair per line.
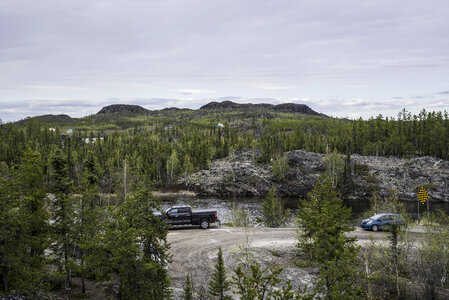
x,y
239,174
284,108
123,108
224,105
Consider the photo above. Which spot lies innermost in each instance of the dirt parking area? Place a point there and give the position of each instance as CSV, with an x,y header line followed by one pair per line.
x,y
194,251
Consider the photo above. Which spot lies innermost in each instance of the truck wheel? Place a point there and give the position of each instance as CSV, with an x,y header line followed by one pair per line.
x,y
204,223
374,228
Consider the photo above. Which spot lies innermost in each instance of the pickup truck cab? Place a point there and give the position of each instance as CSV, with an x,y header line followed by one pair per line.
x,y
183,215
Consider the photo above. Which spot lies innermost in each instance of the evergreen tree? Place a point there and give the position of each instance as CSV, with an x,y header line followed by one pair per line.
x,y
280,168
395,232
136,249
34,217
88,216
286,292
11,248
323,222
219,284
273,213
62,214
187,293
24,226
347,183
253,282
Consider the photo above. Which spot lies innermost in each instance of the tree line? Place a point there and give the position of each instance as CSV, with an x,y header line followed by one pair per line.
x,y
163,150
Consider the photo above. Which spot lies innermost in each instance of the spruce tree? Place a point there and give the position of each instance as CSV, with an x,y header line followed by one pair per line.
x,y
135,249
88,216
273,213
219,284
34,217
62,214
187,293
254,282
11,253
323,222
24,233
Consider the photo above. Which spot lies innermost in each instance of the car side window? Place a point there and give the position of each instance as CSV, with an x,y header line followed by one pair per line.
x,y
173,212
184,210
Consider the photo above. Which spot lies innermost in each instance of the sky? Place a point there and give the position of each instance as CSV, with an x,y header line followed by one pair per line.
x,y
346,58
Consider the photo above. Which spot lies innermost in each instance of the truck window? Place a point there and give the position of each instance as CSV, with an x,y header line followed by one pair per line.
x,y
173,211
184,210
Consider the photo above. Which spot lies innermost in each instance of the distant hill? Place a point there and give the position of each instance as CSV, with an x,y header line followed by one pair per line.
x,y
225,105
48,119
285,108
116,111
124,108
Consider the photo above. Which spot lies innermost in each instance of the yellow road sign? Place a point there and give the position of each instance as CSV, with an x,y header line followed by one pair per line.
x,y
423,195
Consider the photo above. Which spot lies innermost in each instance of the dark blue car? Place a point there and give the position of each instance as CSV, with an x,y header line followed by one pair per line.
x,y
382,221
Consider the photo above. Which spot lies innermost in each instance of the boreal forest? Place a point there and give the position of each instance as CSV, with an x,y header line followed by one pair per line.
x,y
77,204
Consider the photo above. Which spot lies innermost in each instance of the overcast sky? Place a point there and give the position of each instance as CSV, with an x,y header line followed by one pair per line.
x,y
343,58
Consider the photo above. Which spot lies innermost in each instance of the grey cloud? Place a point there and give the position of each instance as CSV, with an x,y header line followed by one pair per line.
x,y
271,34
443,93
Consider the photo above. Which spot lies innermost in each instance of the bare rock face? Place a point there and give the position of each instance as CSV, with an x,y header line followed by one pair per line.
x,y
304,170
405,175
235,175
240,174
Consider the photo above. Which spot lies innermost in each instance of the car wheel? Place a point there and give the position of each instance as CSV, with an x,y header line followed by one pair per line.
x,y
204,223
374,228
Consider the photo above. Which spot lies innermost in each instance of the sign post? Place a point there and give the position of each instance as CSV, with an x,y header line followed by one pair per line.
x,y
423,195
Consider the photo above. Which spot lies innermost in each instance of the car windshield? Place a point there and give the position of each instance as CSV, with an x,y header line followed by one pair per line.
x,y
375,217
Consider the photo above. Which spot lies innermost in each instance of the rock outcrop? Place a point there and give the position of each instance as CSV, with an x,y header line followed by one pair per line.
x,y
240,174
405,175
236,175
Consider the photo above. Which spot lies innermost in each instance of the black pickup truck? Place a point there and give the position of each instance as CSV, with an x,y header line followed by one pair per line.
x,y
183,215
